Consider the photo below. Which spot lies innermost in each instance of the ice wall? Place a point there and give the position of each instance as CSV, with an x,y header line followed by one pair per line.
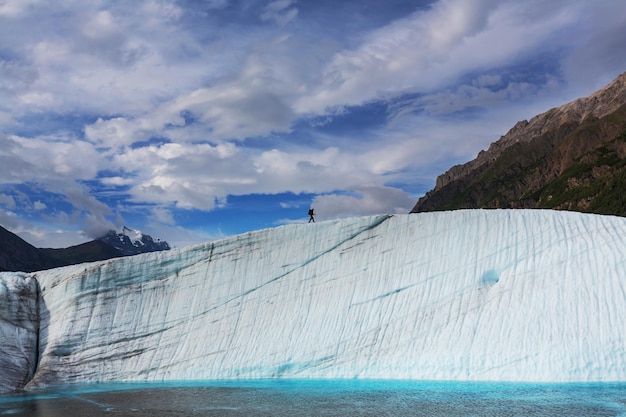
x,y
19,325
467,295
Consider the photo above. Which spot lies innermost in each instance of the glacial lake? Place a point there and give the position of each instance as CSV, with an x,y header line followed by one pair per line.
x,y
321,398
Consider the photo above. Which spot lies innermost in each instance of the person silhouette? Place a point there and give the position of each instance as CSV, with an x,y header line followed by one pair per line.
x,y
311,214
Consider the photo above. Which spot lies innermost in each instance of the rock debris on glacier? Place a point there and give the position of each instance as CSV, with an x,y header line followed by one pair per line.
x,y
467,295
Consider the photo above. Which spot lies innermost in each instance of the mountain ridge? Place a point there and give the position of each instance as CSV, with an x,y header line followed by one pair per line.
x,y
134,244
526,166
18,255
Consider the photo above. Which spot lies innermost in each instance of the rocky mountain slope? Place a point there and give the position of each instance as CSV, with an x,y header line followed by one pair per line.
x,y
85,252
133,242
18,255
572,157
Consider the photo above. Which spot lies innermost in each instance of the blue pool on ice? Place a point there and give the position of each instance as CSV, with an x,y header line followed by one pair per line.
x,y
322,398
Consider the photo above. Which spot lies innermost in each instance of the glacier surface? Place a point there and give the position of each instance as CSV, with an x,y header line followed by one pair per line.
x,y
490,295
19,329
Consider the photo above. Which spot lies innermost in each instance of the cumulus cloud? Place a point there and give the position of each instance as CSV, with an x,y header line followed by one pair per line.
x,y
109,58
41,234
117,131
55,166
38,205
162,215
187,176
7,201
255,104
236,110
365,200
199,175
52,159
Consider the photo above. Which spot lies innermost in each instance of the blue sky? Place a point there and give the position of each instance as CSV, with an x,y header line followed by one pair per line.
x,y
197,119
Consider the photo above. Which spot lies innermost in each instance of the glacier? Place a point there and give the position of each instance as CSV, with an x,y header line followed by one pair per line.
x,y
19,330
480,295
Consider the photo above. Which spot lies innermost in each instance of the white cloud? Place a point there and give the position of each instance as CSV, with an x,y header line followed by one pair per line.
x,y
280,12
53,160
255,104
430,48
15,77
110,58
363,201
41,235
14,8
9,220
197,176
237,110
468,96
159,11
114,132
116,181
7,201
55,165
38,205
95,220
185,175
162,215
311,171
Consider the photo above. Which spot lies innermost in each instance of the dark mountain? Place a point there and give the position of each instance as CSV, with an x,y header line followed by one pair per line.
x,y
572,158
133,242
18,255
85,252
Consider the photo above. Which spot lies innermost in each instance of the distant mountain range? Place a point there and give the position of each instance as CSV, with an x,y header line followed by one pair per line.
x,y
18,255
569,158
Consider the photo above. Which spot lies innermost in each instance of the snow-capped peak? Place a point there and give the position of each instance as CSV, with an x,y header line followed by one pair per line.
x,y
132,241
136,237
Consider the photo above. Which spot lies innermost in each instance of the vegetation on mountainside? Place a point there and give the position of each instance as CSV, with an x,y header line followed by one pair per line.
x,y
85,252
579,167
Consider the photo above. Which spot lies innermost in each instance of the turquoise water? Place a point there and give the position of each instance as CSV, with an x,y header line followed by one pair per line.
x,y
321,398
